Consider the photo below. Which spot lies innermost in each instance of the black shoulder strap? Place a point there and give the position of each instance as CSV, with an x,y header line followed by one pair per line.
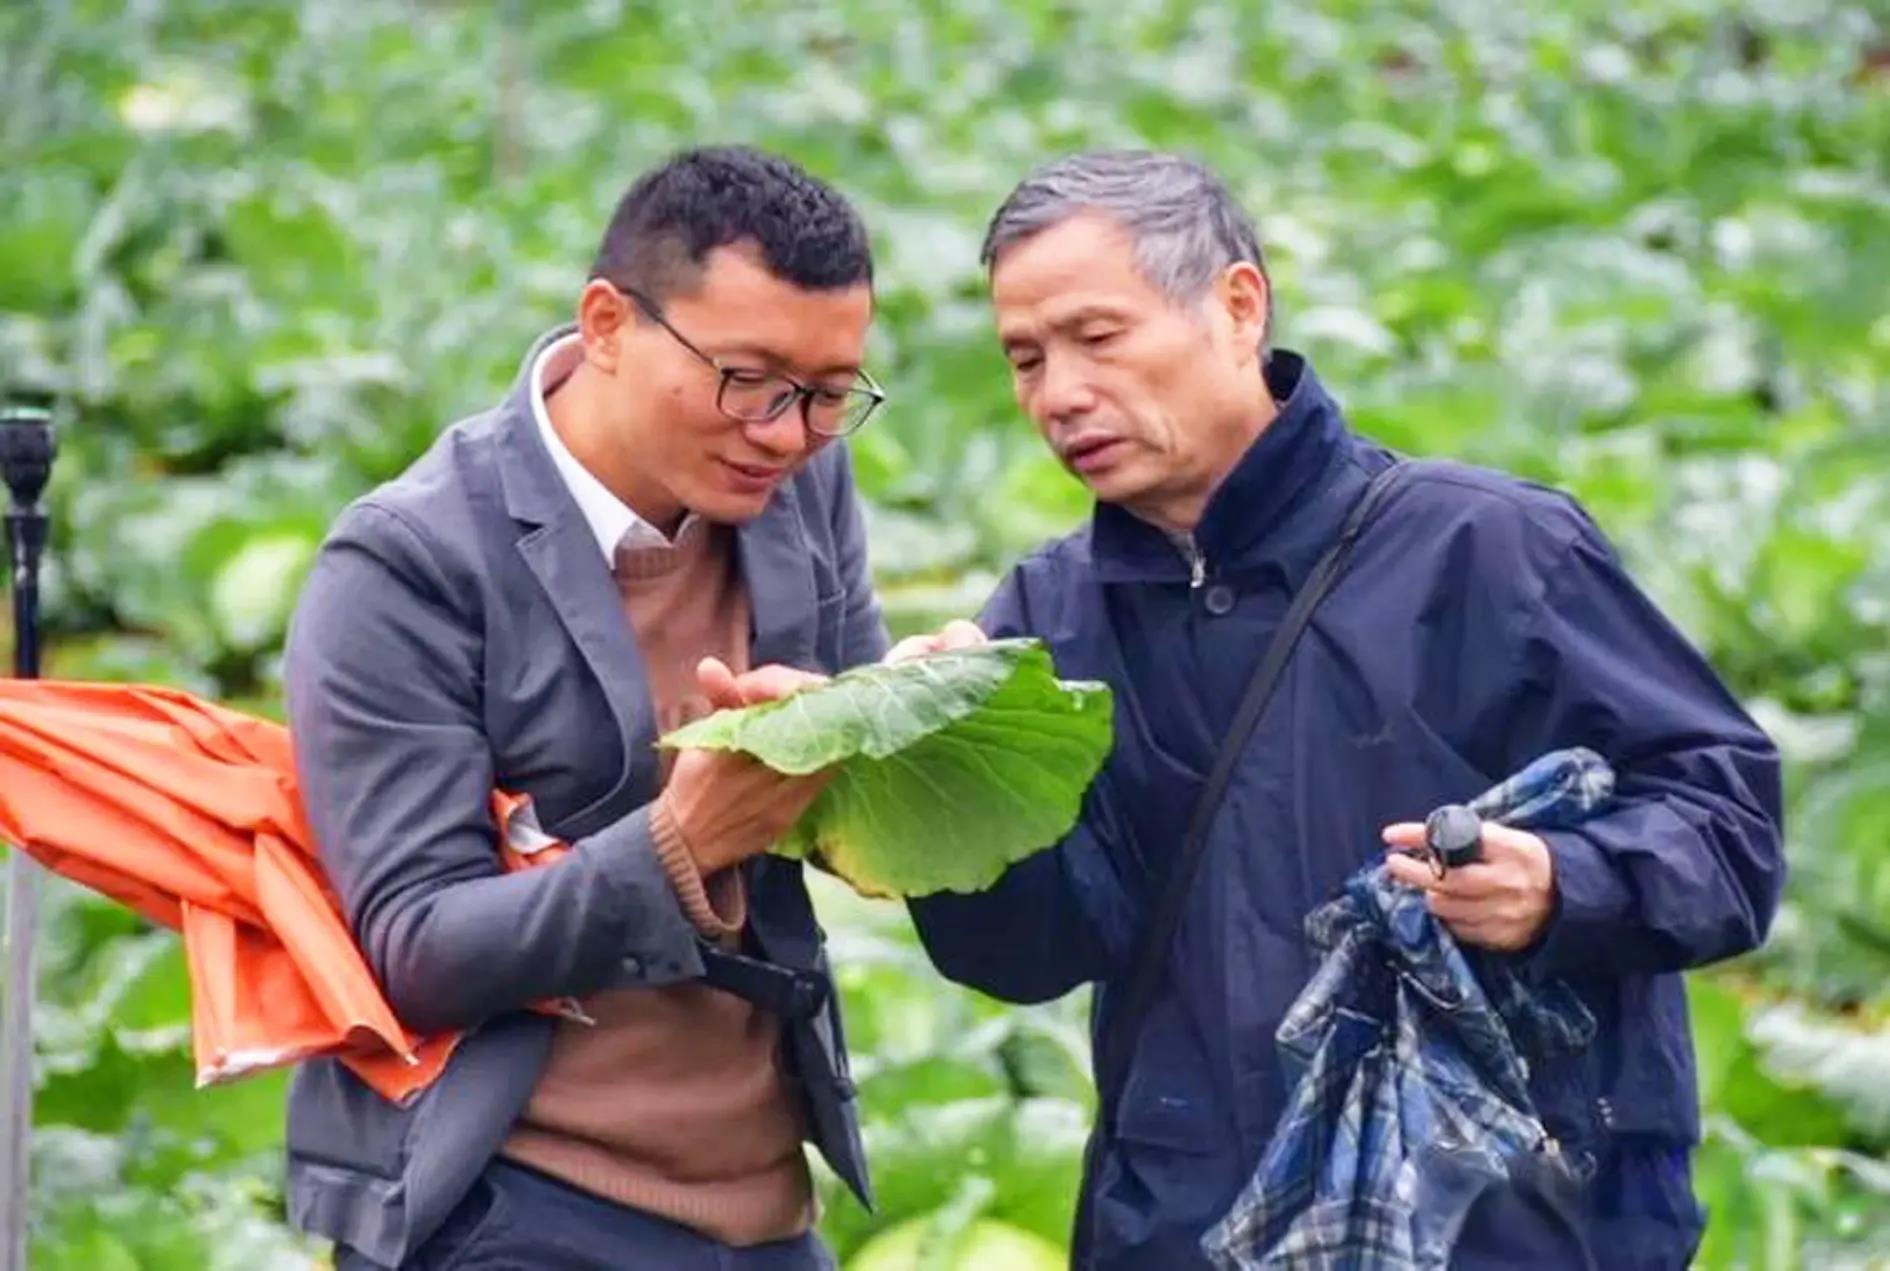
x,y
1117,1044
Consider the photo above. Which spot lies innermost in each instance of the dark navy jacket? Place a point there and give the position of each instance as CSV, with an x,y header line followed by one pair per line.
x,y
1483,621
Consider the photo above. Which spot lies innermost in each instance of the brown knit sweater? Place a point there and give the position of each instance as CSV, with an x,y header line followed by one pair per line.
x,y
673,1102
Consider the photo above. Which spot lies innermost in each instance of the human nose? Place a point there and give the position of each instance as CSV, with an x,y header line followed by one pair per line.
x,y
1064,391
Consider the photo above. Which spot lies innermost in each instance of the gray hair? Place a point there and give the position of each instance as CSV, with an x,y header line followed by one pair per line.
x,y
1185,225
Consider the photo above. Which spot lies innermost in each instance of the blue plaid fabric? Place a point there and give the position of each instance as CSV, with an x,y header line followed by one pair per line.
x,y
1411,1092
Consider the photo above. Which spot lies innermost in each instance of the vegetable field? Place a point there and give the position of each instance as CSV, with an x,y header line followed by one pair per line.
x,y
259,251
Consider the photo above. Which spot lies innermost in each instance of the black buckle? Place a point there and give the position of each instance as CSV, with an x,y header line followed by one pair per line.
x,y
786,992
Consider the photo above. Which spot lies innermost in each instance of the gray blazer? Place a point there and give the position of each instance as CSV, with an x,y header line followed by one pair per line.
x,y
461,631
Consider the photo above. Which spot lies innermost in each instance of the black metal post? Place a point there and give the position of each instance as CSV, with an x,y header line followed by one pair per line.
x,y
26,457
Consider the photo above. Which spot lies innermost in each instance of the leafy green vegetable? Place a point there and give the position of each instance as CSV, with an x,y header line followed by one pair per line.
x,y
950,767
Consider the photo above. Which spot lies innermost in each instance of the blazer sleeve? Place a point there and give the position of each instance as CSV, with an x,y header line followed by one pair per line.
x,y
383,673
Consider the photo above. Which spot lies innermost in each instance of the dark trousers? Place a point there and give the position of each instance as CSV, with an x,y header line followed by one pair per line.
x,y
516,1217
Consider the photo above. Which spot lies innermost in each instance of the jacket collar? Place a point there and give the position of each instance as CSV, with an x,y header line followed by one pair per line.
x,y
535,493
1271,510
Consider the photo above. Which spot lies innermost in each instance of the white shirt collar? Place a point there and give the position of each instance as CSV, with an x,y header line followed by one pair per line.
x,y
612,521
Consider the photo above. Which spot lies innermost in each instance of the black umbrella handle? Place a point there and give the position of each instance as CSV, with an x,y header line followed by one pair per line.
x,y
1454,835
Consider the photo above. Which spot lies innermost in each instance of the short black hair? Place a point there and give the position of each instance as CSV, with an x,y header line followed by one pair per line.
x,y
712,196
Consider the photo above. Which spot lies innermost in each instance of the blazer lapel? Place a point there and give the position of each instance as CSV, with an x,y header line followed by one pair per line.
x,y
562,554
778,570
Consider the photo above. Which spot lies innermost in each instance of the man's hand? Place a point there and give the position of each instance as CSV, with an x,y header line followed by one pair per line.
x,y
727,806
729,691
956,634
1501,901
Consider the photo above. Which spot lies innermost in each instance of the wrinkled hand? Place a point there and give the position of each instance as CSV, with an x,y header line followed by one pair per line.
x,y
956,634
727,806
1501,902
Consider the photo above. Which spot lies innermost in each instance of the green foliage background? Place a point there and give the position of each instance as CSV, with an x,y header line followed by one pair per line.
x,y
261,252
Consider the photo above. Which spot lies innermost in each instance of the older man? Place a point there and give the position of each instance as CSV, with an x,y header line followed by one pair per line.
x,y
1481,622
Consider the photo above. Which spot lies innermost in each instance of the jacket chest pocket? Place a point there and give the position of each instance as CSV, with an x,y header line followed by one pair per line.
x,y
561,744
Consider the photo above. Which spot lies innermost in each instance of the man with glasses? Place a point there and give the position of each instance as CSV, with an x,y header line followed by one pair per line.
x,y
652,525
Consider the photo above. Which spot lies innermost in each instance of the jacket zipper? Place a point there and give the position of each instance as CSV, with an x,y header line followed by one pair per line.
x,y
1197,563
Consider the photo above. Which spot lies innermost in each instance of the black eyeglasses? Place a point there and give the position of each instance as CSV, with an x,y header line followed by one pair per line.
x,y
749,395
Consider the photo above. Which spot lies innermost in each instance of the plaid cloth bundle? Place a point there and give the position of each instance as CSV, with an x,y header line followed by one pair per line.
x,y
1412,1065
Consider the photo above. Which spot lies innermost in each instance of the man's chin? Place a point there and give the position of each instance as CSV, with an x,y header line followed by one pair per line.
x,y
1113,486
722,507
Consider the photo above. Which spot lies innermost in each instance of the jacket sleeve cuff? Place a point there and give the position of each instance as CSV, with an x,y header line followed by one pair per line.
x,y
715,906
1591,903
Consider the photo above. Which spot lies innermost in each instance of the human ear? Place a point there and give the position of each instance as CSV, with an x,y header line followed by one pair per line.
x,y
1246,295
603,314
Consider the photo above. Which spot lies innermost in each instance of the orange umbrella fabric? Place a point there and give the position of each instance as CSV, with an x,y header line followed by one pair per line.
x,y
188,812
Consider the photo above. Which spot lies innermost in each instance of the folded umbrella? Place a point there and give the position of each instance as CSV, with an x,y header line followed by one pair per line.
x,y
1410,1058
188,812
